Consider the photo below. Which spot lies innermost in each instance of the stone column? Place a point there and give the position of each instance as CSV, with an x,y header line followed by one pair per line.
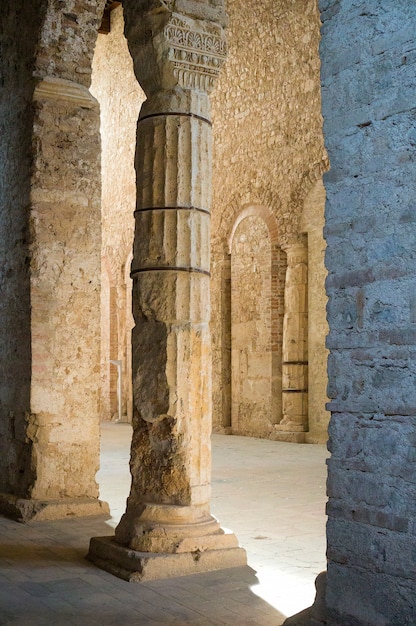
x,y
295,341
167,529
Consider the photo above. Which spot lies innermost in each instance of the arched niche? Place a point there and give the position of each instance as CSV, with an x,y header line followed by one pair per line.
x,y
257,271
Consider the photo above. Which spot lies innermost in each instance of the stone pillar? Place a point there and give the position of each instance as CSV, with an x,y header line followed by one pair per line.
x,y
59,437
167,529
295,341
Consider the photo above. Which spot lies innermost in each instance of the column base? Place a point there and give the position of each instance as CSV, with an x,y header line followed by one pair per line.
x,y
28,510
291,426
135,566
288,436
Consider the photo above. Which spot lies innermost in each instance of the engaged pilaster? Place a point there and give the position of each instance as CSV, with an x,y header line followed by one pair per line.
x,y
167,528
295,341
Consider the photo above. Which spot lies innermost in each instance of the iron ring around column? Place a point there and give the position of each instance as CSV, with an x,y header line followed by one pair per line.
x,y
169,268
176,114
172,208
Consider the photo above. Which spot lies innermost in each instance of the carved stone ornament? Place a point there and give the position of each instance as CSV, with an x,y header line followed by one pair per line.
x,y
196,56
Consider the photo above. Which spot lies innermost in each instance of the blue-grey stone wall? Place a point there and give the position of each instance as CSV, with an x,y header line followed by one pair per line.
x,y
368,54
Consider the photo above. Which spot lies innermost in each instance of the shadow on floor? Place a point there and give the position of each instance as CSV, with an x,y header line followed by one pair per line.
x,y
46,580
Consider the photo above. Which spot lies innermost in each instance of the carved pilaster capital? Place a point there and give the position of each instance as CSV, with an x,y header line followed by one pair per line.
x,y
296,249
175,50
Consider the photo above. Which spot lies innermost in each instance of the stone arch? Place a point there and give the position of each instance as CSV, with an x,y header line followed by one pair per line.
x,y
309,181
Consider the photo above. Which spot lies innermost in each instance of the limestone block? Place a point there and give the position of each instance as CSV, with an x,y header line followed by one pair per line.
x,y
65,288
259,366
295,410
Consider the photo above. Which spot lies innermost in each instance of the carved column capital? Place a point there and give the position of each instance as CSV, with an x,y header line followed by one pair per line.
x,y
172,49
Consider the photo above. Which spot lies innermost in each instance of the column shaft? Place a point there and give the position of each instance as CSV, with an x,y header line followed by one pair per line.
x,y
171,304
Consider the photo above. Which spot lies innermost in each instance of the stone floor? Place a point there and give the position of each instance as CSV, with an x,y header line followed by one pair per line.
x,y
271,494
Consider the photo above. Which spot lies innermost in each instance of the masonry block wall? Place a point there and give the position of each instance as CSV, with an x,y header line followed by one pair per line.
x,y
369,94
50,259
268,131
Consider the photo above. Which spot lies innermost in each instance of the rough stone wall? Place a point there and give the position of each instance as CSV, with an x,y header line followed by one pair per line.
x,y
16,123
268,146
368,75
67,41
120,96
266,107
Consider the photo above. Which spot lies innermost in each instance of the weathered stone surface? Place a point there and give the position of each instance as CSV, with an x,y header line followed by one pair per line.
x,y
270,80
16,124
168,506
52,430
295,340
143,566
69,30
32,510
368,103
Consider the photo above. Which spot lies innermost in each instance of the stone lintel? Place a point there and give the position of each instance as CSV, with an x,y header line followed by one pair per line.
x,y
135,566
51,88
31,510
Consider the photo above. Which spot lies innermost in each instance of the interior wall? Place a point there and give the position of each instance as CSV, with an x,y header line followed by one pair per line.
x,y
268,132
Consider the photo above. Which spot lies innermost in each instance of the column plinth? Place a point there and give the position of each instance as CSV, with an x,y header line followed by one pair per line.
x,y
167,529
